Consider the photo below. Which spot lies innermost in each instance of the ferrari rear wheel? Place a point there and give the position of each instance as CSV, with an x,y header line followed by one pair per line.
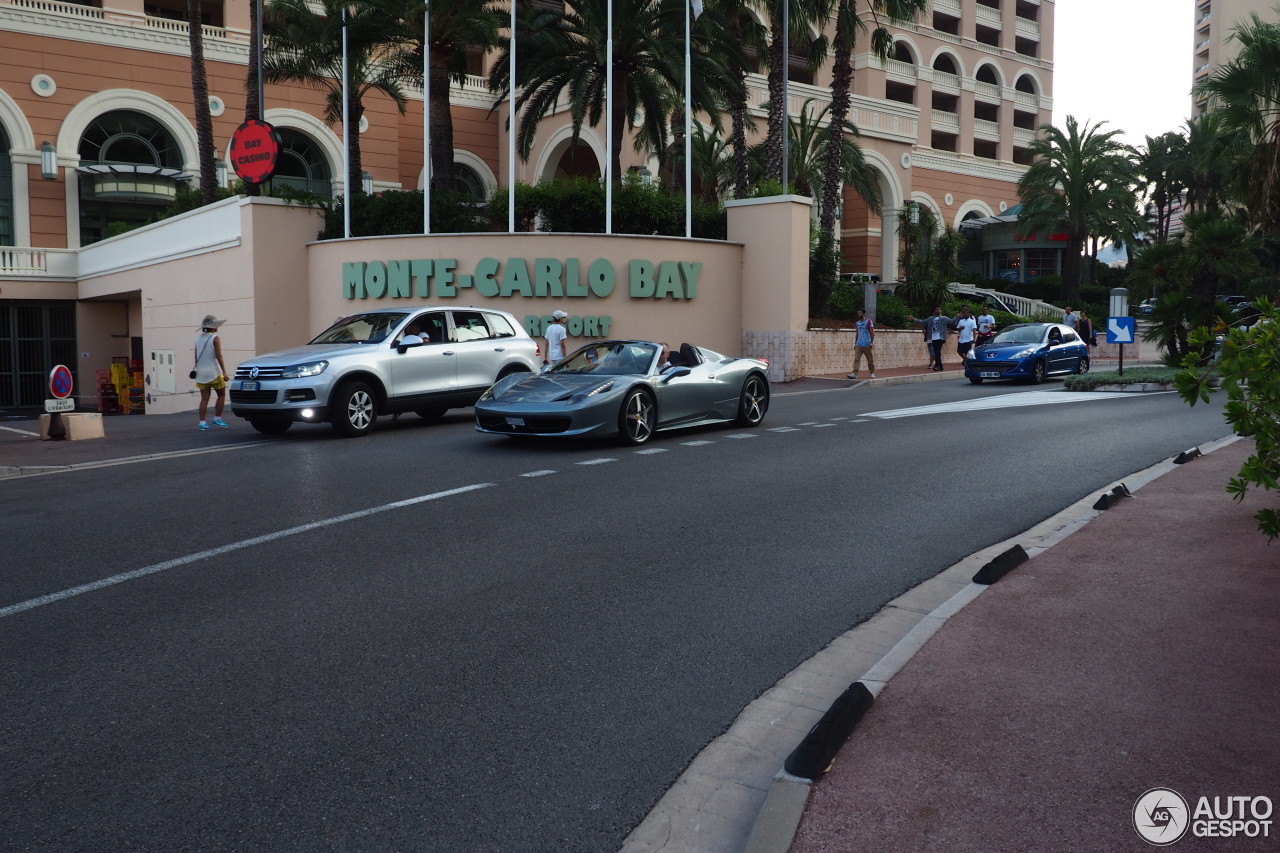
x,y
754,401
636,421
1038,372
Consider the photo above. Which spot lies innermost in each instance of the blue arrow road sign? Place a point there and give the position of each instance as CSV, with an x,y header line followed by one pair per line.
x,y
1121,330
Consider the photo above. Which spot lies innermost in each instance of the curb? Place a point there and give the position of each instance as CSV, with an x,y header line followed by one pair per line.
x,y
788,796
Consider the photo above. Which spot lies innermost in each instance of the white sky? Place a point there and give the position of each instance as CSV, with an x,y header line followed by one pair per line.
x,y
1126,62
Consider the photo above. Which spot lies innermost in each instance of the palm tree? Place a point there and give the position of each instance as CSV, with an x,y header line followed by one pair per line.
x,y
305,47
848,25
745,36
458,28
1210,151
1245,94
1162,174
200,94
566,51
803,16
713,163
252,101
1079,180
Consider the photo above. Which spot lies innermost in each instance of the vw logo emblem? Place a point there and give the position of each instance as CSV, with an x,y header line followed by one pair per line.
x,y
253,373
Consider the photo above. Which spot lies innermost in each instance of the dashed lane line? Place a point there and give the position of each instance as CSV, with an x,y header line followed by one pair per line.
x,y
228,548
1004,401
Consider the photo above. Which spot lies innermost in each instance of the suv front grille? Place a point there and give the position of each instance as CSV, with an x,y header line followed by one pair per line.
x,y
254,397
242,372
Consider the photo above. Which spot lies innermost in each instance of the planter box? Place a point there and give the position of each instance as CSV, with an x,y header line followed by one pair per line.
x,y
79,425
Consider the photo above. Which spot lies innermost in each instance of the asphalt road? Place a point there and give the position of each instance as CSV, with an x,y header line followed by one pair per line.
x,y
430,639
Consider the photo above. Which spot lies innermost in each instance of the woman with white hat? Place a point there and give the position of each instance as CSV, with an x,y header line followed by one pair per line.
x,y
210,373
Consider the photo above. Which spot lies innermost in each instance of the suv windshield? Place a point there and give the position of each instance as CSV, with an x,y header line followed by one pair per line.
x,y
609,359
1020,335
370,328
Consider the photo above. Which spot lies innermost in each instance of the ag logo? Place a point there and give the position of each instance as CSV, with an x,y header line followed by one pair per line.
x,y
1161,816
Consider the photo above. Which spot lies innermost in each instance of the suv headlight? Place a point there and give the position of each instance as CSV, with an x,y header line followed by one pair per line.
x,y
298,371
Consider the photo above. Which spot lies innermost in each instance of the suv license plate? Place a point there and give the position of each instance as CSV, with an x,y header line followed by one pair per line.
x,y
989,374
248,386
515,421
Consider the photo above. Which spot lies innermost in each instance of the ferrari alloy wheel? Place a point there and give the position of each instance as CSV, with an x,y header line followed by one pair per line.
x,y
754,401
1083,366
1038,372
354,409
636,421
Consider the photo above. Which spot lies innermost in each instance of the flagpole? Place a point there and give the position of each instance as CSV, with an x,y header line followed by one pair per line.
x,y
426,117
786,76
688,123
608,124
511,127
346,142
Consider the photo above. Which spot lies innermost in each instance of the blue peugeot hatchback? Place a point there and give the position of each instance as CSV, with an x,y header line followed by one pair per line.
x,y
1028,351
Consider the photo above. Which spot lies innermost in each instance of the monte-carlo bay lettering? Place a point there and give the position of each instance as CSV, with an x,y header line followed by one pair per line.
x,y
440,278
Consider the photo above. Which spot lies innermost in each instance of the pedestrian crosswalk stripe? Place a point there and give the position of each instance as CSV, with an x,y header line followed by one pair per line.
x,y
1003,401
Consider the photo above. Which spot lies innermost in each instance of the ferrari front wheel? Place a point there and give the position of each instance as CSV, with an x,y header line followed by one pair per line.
x,y
754,401
636,421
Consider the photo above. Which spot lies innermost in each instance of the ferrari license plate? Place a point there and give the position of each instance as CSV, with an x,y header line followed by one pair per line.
x,y
515,421
249,386
989,374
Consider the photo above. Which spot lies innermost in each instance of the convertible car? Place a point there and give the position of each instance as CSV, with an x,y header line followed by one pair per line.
x,y
628,389
1028,351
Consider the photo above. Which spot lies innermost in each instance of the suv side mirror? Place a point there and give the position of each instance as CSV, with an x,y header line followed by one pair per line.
x,y
409,341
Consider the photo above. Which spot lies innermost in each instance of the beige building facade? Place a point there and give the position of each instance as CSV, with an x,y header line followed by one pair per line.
x,y
97,128
1213,46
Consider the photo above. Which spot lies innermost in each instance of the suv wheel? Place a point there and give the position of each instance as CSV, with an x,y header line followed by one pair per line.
x,y
353,409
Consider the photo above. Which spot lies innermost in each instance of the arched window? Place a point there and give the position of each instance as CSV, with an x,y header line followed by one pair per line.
x,y
6,191
130,167
945,63
466,180
987,74
302,164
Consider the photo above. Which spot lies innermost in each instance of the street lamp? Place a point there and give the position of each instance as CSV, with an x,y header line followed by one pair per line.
x,y
48,162
220,173
366,183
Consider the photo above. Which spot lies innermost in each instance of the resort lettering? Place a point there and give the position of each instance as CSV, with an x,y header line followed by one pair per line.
x,y
440,278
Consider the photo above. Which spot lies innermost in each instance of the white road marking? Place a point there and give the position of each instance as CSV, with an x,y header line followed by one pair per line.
x,y
820,426
742,435
230,547
651,450
696,443
19,431
599,461
784,429
1004,401
541,473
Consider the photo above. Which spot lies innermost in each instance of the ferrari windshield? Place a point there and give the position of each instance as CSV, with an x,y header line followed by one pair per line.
x,y
610,359
1020,335
372,328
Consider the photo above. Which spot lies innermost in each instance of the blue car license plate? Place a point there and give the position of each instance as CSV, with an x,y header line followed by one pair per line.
x,y
249,386
989,374
515,421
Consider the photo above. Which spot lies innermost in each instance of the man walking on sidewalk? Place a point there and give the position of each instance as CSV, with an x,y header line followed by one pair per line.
x,y
935,335
863,343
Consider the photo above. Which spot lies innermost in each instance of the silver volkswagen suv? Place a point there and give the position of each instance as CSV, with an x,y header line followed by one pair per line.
x,y
424,360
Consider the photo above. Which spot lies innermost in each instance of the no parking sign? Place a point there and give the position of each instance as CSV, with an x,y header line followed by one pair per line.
x,y
60,385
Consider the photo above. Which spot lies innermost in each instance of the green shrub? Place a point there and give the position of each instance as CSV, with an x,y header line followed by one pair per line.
x,y
1132,376
891,312
400,212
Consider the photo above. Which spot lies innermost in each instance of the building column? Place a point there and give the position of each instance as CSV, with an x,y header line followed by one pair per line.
x,y
889,243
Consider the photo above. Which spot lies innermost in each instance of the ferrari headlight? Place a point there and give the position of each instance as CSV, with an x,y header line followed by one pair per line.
x,y
298,371
599,389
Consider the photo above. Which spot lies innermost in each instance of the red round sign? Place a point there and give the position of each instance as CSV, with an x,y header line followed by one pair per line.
x,y
255,149
60,382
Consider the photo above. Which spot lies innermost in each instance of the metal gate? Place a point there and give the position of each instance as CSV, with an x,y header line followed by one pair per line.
x,y
34,336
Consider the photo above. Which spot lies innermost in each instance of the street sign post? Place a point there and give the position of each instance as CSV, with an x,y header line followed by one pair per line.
x,y
60,385
1121,328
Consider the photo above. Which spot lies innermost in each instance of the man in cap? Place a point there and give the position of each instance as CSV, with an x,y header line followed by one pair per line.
x,y
556,334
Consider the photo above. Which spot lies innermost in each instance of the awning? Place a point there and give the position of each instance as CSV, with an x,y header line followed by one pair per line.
x,y
128,181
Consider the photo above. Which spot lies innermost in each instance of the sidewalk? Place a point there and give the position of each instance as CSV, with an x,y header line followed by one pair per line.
x,y
1140,652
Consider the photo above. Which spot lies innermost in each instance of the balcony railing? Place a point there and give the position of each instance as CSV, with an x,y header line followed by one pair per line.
x,y
898,68
987,90
946,80
1023,137
1026,99
1028,28
59,264
60,8
989,16
797,94
75,10
951,6
943,120
986,129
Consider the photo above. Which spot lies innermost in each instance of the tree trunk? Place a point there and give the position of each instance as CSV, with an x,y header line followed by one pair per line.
x,y
777,112
738,113
355,170
1071,267
200,94
441,125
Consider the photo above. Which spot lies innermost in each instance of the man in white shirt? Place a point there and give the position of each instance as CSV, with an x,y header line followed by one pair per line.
x,y
967,329
986,326
556,335
1069,318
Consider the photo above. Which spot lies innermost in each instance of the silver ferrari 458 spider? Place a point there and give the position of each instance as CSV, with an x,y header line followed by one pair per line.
x,y
628,388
